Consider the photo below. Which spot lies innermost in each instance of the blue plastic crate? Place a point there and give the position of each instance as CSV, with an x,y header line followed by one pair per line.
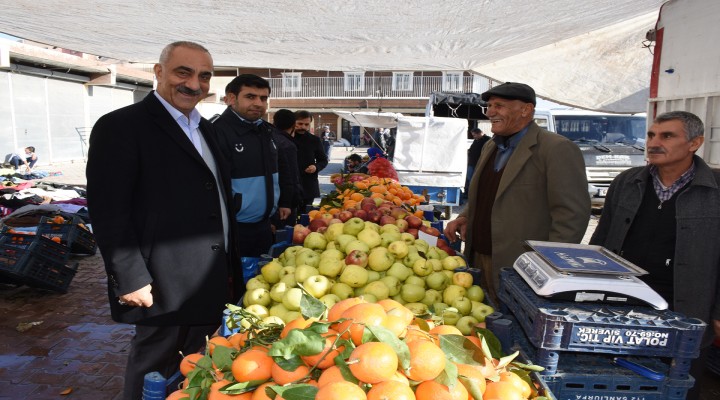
x,y
599,328
594,376
442,196
72,233
157,387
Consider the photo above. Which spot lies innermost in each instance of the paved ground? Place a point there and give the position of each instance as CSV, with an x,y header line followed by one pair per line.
x,y
74,345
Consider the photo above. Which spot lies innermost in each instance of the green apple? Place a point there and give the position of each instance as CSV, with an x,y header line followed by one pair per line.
x,y
412,293
353,226
291,316
315,241
389,237
432,253
443,254
330,267
431,297
460,260
287,271
452,292
342,290
439,308
271,271
464,279
258,282
377,289
449,274
357,245
343,240
369,297
450,263
435,264
398,298
259,310
380,259
466,324
317,285
475,293
278,291
373,276
329,299
307,257
332,254
421,245
354,276
407,238
290,252
463,305
437,281
292,298
373,226
417,308
331,246
410,258
393,284
289,280
399,249
270,319
399,271
259,296
370,237
482,311
450,316
421,267
278,310
333,231
302,272
389,228
416,280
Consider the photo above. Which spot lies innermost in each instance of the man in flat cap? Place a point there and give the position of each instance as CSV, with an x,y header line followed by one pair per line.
x,y
529,184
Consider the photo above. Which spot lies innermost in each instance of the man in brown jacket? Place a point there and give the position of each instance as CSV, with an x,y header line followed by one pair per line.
x,y
529,184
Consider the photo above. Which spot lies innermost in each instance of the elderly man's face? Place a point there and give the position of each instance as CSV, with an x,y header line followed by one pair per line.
x,y
508,116
667,145
184,79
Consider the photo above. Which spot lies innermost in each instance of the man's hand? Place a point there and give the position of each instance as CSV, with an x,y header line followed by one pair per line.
x,y
458,225
311,169
716,326
140,298
283,213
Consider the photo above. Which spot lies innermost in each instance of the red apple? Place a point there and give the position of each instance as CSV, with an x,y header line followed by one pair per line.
x,y
317,223
387,220
374,216
362,214
399,213
413,232
413,221
385,210
402,225
369,207
322,229
345,215
357,257
367,200
299,234
430,230
327,217
335,221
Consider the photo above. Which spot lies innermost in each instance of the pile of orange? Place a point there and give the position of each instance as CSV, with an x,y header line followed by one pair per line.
x,y
407,364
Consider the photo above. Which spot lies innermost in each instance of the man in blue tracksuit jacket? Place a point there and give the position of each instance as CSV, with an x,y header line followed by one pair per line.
x,y
259,171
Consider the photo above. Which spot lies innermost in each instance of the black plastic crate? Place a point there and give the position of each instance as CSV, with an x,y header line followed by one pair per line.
x,y
45,273
581,376
71,233
599,328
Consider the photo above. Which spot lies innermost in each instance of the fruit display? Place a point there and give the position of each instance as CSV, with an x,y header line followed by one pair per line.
x,y
361,258
386,192
354,350
339,179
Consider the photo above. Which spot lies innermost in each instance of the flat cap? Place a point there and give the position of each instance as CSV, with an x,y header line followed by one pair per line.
x,y
512,91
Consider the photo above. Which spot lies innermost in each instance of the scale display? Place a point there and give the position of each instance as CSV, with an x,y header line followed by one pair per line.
x,y
583,273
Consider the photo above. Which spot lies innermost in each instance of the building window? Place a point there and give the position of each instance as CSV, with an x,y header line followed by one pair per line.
x,y
452,81
354,81
291,81
402,81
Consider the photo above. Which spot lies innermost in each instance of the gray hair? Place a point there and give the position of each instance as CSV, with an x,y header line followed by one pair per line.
x,y
692,124
167,51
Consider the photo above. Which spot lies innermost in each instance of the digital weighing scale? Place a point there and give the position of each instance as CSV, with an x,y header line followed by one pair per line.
x,y
581,273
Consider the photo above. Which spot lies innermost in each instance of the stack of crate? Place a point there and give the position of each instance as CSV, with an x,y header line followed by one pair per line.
x,y
577,343
36,261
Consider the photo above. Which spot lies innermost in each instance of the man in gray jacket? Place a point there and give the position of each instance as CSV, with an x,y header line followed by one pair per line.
x,y
665,218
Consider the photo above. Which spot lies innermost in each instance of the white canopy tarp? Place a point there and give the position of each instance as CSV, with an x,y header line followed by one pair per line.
x,y
586,53
368,119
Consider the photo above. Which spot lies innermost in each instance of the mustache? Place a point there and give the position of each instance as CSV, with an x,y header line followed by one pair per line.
x,y
186,90
655,150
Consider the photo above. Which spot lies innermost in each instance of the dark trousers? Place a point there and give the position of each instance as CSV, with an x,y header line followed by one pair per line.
x,y
702,375
155,348
254,238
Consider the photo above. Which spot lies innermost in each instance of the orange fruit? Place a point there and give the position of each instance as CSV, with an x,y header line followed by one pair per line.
x,y
391,390
340,391
475,340
282,377
415,333
393,307
502,390
518,382
298,323
259,393
445,330
177,395
427,361
188,363
326,358
336,310
238,339
395,324
214,393
472,373
218,341
400,378
373,362
357,196
330,375
56,239
359,316
431,390
252,365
